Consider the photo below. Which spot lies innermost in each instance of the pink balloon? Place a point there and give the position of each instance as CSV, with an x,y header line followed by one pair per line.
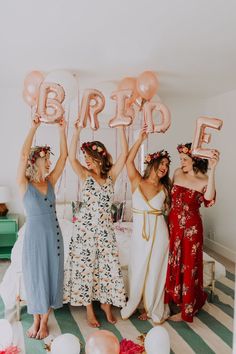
x,y
30,100
147,85
201,136
148,109
102,342
124,115
50,108
32,83
93,102
129,83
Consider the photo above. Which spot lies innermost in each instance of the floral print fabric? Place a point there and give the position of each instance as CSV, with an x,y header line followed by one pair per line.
x,y
184,282
93,270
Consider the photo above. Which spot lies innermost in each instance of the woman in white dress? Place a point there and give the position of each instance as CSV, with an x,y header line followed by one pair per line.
x,y
150,239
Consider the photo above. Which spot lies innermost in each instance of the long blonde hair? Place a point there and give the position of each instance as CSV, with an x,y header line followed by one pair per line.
x,y
32,172
32,169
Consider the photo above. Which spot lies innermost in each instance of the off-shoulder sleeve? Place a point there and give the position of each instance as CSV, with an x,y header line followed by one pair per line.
x,y
209,203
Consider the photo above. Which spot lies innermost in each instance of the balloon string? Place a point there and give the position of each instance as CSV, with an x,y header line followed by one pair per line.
x,y
31,116
79,158
126,179
78,147
65,169
64,174
116,142
141,148
78,102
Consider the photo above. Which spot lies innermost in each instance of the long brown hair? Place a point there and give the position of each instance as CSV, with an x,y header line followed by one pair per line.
x,y
98,152
165,181
199,164
154,164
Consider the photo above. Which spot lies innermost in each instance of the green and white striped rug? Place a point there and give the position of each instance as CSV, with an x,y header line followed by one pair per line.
x,y
211,331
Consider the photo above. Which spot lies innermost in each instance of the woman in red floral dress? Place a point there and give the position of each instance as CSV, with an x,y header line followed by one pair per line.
x,y
191,188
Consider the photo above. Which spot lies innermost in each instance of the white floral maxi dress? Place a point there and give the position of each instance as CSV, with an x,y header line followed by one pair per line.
x,y
93,271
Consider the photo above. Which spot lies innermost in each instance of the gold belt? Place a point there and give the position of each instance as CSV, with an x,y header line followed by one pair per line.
x,y
145,213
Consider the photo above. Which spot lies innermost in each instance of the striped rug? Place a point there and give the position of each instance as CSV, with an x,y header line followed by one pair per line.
x,y
211,331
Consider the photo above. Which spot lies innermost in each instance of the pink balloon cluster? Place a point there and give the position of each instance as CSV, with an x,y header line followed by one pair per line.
x,y
46,97
145,86
133,93
31,87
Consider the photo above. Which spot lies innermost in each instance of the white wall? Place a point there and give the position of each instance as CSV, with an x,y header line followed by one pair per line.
x,y
220,221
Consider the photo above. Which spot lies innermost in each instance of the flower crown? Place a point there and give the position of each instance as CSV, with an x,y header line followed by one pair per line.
x,y
39,151
184,149
156,155
94,147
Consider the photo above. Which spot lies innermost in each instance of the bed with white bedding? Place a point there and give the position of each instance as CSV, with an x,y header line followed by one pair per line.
x,y
12,286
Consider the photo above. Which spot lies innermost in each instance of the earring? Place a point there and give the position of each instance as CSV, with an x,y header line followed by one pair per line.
x,y
100,163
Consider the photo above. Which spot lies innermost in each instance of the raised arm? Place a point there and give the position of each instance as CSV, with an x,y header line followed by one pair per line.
x,y
79,169
58,169
119,164
22,181
133,173
211,189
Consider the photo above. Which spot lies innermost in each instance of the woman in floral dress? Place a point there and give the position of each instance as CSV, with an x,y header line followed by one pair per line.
x,y
93,270
191,188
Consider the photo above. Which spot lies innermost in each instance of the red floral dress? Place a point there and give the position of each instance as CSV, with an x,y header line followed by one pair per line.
x,y
184,282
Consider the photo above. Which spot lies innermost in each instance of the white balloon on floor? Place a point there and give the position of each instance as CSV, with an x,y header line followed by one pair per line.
x,y
66,80
157,341
6,334
65,343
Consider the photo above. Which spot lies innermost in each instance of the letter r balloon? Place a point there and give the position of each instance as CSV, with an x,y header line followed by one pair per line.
x,y
92,104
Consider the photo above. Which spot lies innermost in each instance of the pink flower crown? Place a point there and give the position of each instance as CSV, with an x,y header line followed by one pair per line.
x,y
156,155
94,147
39,151
184,149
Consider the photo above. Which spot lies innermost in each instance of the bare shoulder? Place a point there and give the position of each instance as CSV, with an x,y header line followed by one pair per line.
x,y
178,172
202,177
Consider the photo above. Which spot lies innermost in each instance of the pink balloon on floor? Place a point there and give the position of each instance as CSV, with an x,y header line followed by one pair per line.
x,y
102,342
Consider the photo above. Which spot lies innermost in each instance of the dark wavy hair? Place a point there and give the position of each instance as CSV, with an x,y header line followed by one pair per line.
x,y
165,181
99,153
199,165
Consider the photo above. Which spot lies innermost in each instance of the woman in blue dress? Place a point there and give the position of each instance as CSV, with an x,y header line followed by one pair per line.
x,y
43,253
